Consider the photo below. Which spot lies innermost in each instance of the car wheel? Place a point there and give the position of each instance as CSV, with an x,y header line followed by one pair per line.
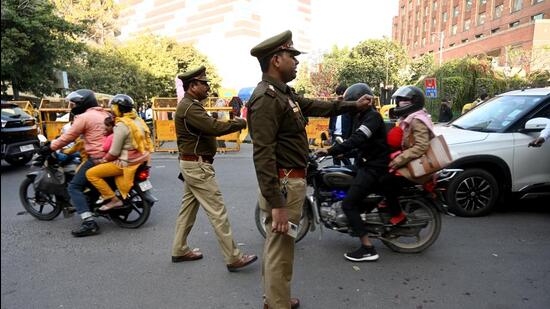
x,y
19,160
472,193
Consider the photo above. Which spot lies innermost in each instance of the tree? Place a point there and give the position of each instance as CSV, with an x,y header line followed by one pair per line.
x,y
99,17
143,68
421,67
35,42
373,62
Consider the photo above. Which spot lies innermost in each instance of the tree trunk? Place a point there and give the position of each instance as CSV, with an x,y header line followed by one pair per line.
x,y
15,89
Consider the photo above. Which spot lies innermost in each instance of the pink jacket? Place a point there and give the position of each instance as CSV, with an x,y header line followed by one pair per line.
x,y
91,124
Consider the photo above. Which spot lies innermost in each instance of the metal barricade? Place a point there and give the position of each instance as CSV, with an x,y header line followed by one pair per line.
x,y
52,116
164,128
26,106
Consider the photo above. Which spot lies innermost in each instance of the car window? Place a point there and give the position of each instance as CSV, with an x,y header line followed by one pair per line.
x,y
12,112
497,114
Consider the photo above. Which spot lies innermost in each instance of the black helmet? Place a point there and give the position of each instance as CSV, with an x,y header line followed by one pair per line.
x,y
408,93
355,91
122,100
83,99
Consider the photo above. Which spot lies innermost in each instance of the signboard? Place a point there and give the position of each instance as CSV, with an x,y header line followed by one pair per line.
x,y
431,87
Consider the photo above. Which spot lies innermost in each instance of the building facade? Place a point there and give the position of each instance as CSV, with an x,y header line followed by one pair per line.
x,y
515,34
224,30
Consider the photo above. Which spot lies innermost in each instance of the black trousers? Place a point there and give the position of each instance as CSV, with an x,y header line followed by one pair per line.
x,y
391,186
364,183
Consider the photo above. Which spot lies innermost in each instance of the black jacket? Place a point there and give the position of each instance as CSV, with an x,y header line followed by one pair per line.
x,y
347,123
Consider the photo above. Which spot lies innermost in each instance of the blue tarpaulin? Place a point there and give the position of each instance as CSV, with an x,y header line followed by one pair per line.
x,y
245,93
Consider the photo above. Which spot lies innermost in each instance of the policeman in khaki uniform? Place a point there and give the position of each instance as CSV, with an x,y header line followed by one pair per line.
x,y
196,137
276,118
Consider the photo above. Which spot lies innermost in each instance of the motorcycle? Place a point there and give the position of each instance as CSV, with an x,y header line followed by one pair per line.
x,y
46,199
323,208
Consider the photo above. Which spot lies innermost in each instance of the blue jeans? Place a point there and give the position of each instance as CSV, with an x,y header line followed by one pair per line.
x,y
76,188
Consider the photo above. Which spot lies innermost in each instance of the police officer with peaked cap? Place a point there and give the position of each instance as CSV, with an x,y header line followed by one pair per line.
x,y
276,118
196,133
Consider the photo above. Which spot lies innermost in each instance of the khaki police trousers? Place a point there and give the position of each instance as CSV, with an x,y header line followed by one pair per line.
x,y
279,248
201,188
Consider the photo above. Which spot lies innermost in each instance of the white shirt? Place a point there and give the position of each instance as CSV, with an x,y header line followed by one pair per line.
x,y
546,132
149,114
338,125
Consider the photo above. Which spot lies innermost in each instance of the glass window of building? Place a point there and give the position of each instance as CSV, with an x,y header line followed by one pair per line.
x,y
455,11
538,16
495,30
452,45
498,10
482,2
464,40
434,5
426,11
417,16
467,25
516,5
418,2
423,42
468,5
481,19
432,38
434,23
514,24
453,30
444,16
537,1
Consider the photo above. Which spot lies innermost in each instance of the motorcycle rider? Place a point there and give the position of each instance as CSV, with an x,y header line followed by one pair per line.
x,y
369,138
417,132
130,147
88,122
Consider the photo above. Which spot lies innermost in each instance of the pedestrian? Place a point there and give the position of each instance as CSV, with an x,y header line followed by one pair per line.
x,y
236,104
445,111
196,133
340,126
276,115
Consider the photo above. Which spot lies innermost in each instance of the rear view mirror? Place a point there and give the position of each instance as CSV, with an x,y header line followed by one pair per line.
x,y
391,114
536,124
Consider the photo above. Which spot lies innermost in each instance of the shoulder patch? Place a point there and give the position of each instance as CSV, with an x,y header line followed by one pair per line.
x,y
270,91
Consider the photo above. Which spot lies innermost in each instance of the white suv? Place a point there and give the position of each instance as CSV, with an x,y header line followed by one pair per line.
x,y
490,143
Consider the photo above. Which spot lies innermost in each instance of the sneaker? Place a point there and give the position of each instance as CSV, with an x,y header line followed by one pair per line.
x,y
87,228
363,254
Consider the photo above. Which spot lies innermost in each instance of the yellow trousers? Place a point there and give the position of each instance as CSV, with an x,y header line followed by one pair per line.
x,y
124,178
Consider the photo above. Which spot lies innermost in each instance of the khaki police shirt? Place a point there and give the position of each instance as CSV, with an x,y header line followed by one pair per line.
x,y
196,131
277,128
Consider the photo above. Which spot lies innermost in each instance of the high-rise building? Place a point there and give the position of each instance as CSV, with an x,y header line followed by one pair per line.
x,y
224,30
514,33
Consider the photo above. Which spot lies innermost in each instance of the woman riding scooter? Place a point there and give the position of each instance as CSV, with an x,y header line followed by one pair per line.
x,y
130,147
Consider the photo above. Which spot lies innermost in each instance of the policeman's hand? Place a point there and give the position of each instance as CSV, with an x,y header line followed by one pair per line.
x,y
364,102
537,142
321,152
45,150
393,165
280,220
242,122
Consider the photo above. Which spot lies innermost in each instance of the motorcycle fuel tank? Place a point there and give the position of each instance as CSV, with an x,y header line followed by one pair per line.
x,y
337,177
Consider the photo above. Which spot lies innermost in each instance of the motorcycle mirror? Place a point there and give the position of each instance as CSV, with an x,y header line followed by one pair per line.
x,y
339,140
42,139
324,136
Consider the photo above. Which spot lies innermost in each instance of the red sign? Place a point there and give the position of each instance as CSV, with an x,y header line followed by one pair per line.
x,y
430,83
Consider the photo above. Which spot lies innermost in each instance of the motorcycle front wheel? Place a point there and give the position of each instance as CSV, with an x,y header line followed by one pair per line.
x,y
40,205
303,228
421,230
135,212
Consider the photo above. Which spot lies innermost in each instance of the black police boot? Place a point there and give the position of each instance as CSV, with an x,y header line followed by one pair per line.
x,y
87,228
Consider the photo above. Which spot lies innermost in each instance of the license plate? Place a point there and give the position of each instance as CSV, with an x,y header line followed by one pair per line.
x,y
26,148
145,185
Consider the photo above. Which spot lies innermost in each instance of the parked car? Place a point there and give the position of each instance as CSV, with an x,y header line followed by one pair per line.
x,y
19,135
491,144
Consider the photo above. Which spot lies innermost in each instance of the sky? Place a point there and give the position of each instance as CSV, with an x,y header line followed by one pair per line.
x,y
348,22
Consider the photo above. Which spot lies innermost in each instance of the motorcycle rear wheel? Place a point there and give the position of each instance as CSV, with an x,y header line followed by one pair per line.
x,y
43,207
303,228
420,211
135,213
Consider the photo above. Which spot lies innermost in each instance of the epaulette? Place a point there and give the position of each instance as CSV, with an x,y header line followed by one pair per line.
x,y
270,91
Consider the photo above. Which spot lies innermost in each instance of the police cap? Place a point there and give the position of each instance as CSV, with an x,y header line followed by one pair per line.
x,y
194,74
280,42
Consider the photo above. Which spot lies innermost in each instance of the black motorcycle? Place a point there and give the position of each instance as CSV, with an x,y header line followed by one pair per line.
x,y
44,195
323,207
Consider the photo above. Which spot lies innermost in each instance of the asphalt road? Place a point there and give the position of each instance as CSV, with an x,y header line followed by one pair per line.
x,y
498,261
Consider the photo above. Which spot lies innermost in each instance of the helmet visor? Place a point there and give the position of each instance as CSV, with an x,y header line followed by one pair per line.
x,y
404,92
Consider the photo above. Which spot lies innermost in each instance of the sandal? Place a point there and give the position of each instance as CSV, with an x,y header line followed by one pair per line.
x,y
113,204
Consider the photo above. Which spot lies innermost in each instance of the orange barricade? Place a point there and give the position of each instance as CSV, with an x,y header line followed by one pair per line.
x,y
164,129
